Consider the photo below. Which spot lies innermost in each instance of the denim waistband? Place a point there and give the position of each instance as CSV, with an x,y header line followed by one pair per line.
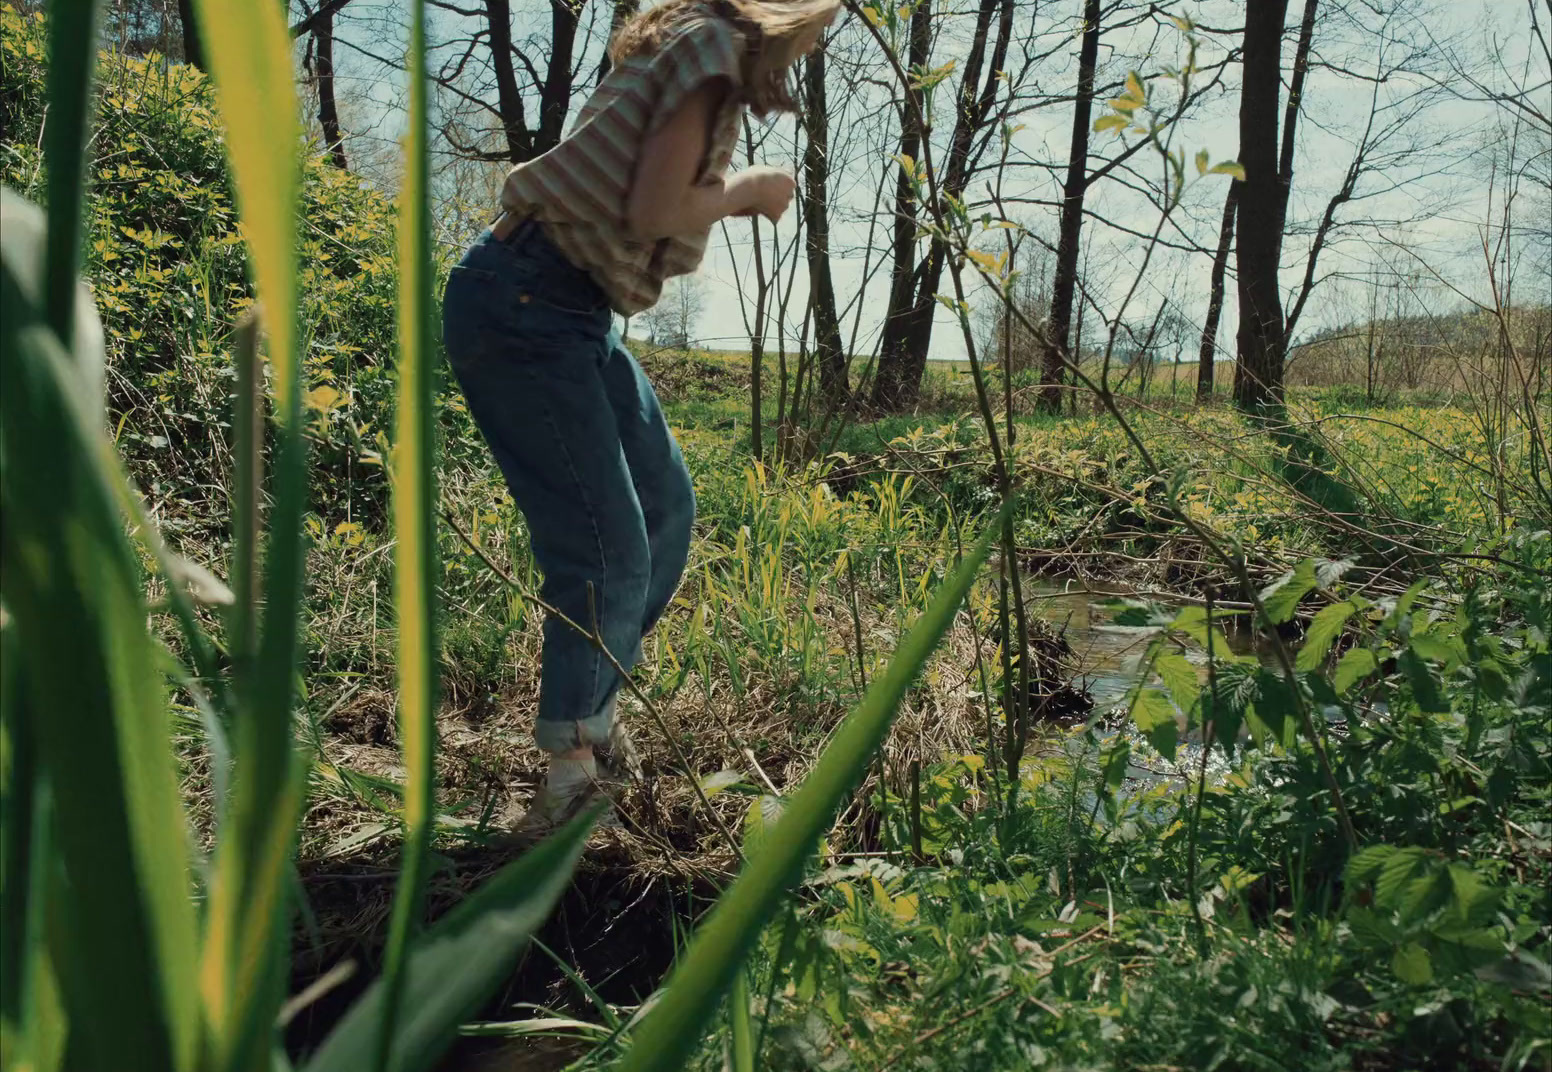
x,y
528,254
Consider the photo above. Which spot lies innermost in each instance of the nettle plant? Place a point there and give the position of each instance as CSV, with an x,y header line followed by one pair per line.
x,y
1421,704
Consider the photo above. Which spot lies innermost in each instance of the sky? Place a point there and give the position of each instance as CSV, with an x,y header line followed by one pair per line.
x,y
1419,212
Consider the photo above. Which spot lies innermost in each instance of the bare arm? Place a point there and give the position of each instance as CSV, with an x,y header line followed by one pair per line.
x,y
665,198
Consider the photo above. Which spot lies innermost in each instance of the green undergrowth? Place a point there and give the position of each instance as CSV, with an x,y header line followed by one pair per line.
x,y
1221,922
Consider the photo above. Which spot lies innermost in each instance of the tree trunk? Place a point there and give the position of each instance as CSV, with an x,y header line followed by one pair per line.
x,y
1070,227
328,111
890,384
193,50
912,334
1209,351
1258,377
1291,111
828,350
509,101
624,11
555,97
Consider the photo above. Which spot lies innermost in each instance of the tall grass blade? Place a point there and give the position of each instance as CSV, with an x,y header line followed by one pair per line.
x,y
69,580
458,961
243,970
72,59
415,556
740,1029
248,476
716,953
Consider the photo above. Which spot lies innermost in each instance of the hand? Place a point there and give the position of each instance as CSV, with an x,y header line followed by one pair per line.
x,y
765,191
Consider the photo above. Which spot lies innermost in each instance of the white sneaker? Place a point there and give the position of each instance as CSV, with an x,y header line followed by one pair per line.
x,y
618,761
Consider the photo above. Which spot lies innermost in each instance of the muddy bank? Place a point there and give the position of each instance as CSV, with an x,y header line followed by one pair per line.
x,y
618,926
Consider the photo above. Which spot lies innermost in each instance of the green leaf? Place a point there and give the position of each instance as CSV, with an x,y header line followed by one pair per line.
x,y
1276,707
1155,718
1412,964
740,1025
415,550
1472,901
1328,571
1365,864
1192,621
1201,162
672,1027
1110,122
1137,613
1281,598
1424,895
1180,679
713,784
249,52
1230,168
1323,631
1118,754
1425,687
70,581
1351,668
1396,875
764,812
1404,602
1438,646
73,28
247,912
459,961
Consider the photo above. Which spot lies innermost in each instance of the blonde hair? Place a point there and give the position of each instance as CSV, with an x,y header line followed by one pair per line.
x,y
773,30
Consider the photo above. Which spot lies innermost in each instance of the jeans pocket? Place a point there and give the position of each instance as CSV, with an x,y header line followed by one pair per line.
x,y
468,328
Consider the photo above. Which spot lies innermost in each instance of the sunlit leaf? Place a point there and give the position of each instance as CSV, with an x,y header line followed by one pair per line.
x,y
1351,668
1323,631
713,784
1180,678
1281,598
1230,168
1155,719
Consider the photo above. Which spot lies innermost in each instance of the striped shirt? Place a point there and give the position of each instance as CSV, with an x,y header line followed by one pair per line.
x,y
578,190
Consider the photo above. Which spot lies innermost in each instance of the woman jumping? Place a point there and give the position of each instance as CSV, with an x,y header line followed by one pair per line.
x,y
589,229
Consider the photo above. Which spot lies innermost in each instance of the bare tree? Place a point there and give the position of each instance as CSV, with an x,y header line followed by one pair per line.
x,y
890,385
1071,222
1207,356
193,51
828,350
908,329
671,322
1006,336
1258,377
319,65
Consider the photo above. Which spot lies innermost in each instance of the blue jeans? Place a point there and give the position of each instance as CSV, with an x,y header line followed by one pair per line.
x,y
580,437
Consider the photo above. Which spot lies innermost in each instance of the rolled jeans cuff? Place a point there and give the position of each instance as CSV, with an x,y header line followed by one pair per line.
x,y
556,735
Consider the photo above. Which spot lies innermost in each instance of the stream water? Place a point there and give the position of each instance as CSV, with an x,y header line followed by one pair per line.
x,y
1107,656
1107,659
